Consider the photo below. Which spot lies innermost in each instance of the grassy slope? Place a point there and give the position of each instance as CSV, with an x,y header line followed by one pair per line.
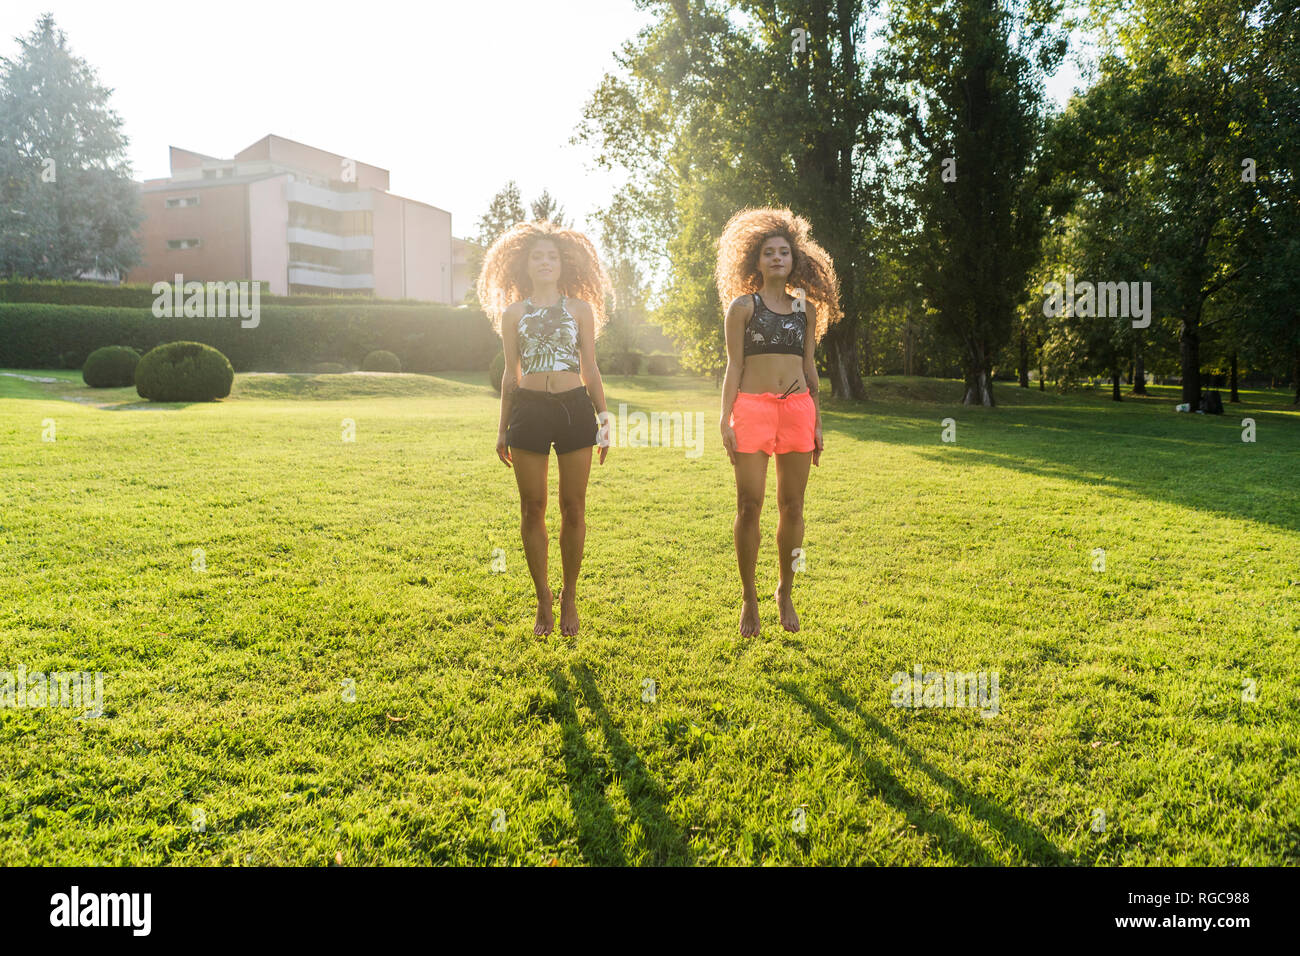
x,y
371,561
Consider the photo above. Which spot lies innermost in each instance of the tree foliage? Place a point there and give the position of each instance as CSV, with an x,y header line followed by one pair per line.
x,y
69,205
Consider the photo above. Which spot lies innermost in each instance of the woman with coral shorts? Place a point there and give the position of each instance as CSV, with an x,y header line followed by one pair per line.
x,y
783,296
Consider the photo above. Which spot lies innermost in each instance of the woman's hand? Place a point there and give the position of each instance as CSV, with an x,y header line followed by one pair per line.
x,y
602,433
503,450
729,440
817,442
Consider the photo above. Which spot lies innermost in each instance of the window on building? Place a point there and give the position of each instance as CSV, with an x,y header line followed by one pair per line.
x,y
182,243
177,201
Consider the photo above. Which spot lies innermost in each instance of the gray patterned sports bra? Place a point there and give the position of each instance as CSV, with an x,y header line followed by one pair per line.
x,y
548,339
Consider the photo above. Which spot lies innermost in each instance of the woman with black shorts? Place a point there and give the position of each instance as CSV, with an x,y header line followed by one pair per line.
x,y
544,289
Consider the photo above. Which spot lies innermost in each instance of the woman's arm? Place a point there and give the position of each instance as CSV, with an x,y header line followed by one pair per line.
x,y
738,315
810,376
510,377
590,371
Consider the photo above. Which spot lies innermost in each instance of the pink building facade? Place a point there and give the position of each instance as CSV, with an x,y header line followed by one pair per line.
x,y
296,218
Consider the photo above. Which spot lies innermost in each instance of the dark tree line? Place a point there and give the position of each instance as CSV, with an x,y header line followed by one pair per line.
x,y
950,192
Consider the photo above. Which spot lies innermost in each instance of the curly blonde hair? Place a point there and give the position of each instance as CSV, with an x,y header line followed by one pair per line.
x,y
811,270
504,276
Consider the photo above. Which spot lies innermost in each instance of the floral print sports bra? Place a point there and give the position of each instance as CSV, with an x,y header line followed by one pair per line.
x,y
771,332
548,339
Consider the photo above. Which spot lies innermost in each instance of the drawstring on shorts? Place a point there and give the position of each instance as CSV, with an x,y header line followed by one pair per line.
x,y
555,397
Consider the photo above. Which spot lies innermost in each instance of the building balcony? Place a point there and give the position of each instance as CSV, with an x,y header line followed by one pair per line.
x,y
328,240
319,276
326,198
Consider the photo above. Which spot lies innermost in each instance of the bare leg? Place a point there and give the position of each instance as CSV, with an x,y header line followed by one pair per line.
x,y
751,484
791,480
530,473
575,469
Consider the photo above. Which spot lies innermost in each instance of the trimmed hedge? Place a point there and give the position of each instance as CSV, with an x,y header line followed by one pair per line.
x,y
662,365
184,372
623,363
496,371
141,296
381,361
113,366
287,339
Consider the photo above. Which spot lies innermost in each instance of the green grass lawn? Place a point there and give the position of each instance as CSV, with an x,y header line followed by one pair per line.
x,y
339,570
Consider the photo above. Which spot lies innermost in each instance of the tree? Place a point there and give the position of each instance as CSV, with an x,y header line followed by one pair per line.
x,y
1265,326
1185,94
715,110
620,341
505,210
545,208
69,204
964,81
1096,246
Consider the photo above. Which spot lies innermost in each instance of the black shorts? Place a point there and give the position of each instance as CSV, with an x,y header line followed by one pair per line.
x,y
538,419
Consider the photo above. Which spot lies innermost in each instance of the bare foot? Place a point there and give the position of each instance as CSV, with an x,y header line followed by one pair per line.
x,y
749,617
789,619
568,614
545,616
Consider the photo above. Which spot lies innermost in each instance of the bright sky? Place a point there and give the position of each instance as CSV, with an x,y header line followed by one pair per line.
x,y
453,98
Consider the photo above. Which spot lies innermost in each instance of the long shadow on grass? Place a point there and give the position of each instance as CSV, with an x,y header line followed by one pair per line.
x,y
960,844
589,775
598,837
1033,844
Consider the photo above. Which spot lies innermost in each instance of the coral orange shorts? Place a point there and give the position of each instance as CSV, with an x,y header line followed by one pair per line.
x,y
769,423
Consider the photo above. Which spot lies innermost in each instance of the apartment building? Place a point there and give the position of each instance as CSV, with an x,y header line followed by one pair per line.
x,y
297,218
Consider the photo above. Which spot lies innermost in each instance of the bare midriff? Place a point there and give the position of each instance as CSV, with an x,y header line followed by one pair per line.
x,y
772,373
551,381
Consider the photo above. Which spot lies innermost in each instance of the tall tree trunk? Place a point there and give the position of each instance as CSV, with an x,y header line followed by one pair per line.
x,y
1232,379
842,363
979,376
1024,360
851,336
1114,386
864,355
1295,376
841,340
829,163
1042,372
1139,373
1189,354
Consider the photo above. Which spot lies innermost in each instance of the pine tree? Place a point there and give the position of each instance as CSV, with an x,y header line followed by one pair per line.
x,y
65,183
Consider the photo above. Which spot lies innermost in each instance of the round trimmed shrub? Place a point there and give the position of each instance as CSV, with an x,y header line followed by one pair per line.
x,y
113,366
496,370
328,368
184,372
381,361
